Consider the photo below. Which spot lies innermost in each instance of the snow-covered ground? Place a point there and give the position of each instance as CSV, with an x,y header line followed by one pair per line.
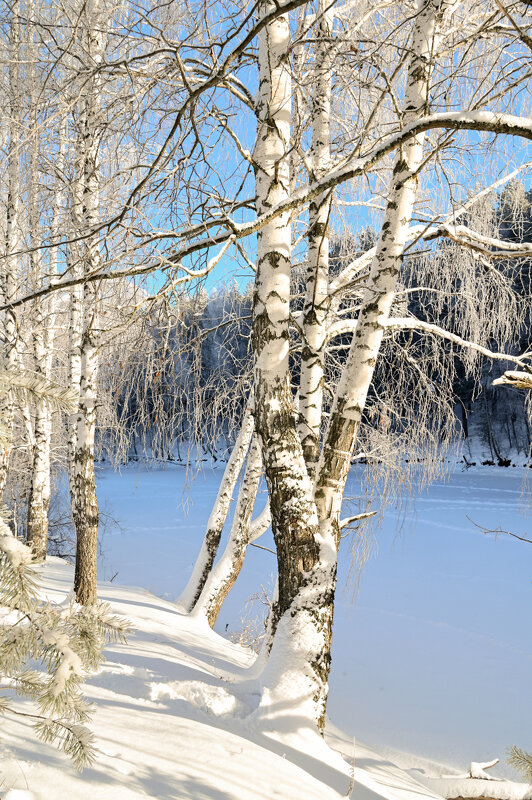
x,y
431,662
434,654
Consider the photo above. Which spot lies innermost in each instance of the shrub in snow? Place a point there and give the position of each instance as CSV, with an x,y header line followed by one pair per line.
x,y
45,652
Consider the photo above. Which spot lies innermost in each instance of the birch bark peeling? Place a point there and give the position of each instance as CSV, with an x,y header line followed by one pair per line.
x,y
211,541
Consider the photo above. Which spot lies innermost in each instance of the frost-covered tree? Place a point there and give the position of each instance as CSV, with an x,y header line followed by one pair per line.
x,y
306,514
280,123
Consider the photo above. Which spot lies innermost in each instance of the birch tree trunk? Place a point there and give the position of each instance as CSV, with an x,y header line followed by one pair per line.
x,y
75,329
294,675
356,378
85,502
211,541
43,320
222,578
299,663
39,498
317,302
83,488
9,267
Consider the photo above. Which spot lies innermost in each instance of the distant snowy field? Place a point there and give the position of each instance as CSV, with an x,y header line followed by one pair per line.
x,y
432,657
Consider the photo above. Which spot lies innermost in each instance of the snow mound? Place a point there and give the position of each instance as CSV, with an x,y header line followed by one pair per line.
x,y
203,696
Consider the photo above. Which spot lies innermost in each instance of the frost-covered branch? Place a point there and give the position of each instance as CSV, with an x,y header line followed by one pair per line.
x,y
409,323
515,378
489,246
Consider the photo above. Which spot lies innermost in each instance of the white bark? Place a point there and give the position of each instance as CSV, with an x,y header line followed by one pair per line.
x,y
297,671
295,676
43,322
9,267
317,303
85,503
218,515
83,488
75,327
74,371
225,572
355,381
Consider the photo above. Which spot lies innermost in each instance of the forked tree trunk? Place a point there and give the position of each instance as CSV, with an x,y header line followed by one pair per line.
x,y
222,577
293,677
297,670
211,541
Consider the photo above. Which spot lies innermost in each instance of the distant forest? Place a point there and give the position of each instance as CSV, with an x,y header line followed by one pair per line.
x,y
184,386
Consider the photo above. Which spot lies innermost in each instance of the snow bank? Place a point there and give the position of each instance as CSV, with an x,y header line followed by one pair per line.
x,y
470,787
166,726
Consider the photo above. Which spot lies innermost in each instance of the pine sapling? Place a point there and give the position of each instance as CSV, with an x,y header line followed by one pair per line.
x,y
62,645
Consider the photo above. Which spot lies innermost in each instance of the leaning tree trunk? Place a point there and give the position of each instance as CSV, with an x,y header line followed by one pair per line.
x,y
222,578
356,378
211,541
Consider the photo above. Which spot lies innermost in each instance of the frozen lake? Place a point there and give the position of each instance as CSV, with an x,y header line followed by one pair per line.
x,y
432,656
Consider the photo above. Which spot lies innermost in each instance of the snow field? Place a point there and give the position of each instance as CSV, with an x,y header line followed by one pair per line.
x,y
431,662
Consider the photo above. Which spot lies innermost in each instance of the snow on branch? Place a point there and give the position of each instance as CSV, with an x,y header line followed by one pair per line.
x,y
353,270
410,323
515,378
496,248
349,520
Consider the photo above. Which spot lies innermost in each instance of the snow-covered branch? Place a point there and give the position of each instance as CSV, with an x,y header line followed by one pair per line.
x,y
410,323
489,246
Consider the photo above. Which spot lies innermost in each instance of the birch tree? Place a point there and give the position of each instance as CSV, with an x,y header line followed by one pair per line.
x,y
83,488
382,81
12,238
43,313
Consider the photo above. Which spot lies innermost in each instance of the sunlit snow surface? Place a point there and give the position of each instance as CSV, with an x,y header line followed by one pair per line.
x,y
430,662
434,654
